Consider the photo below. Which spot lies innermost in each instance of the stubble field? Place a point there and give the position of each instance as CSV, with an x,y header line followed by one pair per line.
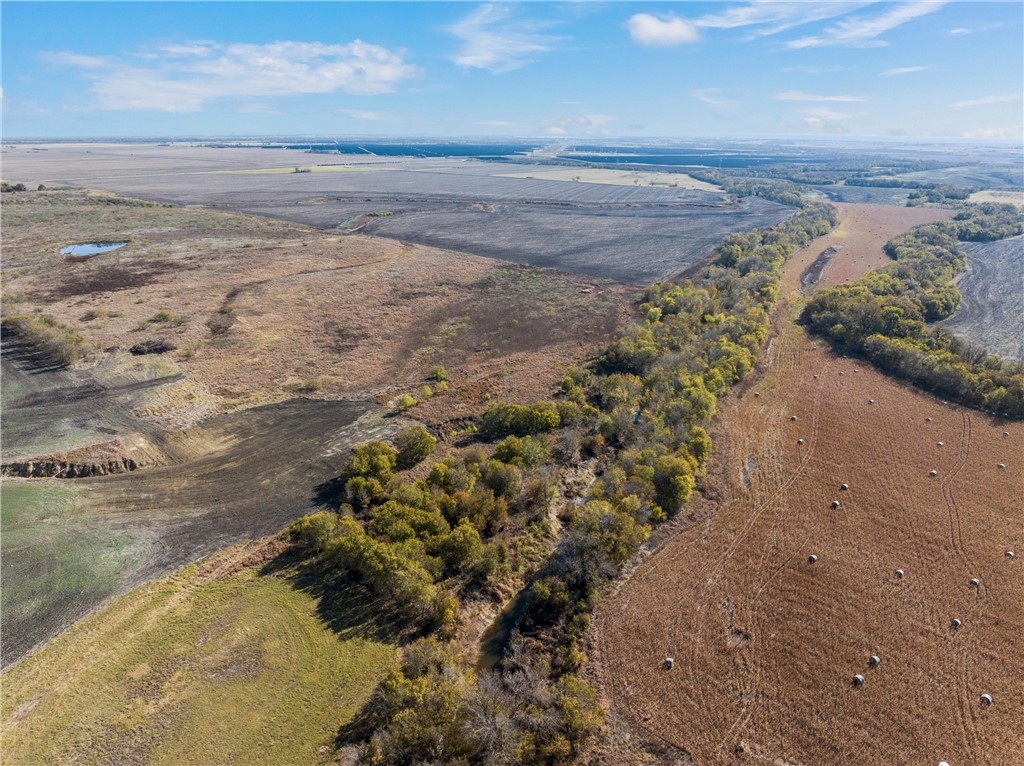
x,y
766,644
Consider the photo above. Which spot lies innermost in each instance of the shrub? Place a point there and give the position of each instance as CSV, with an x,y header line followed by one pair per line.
x,y
525,452
439,373
414,445
405,401
519,419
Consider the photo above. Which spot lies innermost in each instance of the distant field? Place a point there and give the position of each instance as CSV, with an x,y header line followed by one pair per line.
x,y
991,195
637,233
618,178
303,169
992,312
218,663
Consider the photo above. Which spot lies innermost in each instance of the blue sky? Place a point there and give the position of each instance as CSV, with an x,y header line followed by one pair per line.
x,y
577,69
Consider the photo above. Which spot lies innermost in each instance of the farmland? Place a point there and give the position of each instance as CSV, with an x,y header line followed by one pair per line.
x,y
992,311
765,643
197,667
466,205
327,329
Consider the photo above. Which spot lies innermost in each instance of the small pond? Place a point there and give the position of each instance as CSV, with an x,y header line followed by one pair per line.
x,y
89,249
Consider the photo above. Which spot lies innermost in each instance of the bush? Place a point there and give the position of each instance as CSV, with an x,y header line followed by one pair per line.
x,y
405,401
525,452
415,444
519,419
439,373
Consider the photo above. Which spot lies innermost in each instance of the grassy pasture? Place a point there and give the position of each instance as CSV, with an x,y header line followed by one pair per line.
x,y
993,195
302,168
253,667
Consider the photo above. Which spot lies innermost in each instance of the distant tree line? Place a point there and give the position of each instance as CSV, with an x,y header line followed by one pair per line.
x,y
886,316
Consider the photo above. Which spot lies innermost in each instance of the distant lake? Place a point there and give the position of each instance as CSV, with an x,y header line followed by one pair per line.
x,y
705,159
86,249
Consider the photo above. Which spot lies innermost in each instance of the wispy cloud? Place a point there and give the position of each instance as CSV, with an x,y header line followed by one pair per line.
x,y
578,125
903,70
661,30
494,40
797,95
186,82
711,96
863,31
74,60
960,31
826,120
824,113
769,18
985,100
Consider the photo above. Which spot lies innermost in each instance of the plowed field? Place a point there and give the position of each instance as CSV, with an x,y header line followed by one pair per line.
x,y
766,644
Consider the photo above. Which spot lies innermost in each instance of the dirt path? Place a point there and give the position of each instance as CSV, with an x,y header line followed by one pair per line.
x,y
766,643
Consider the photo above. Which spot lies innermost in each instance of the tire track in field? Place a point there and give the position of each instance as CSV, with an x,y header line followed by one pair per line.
x,y
956,536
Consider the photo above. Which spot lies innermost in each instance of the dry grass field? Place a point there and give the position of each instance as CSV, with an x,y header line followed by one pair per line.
x,y
994,195
766,644
618,178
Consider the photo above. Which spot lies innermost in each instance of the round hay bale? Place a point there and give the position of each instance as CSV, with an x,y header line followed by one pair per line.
x,y
812,559
858,680
842,373
792,418
940,444
1010,555
874,660
871,401
815,377
943,763
668,663
856,369
799,441
933,473
986,699
1002,466
899,574
975,582
1006,433
835,504
955,625
844,487
757,394
927,420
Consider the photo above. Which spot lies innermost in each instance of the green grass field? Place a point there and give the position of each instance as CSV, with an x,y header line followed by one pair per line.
x,y
252,668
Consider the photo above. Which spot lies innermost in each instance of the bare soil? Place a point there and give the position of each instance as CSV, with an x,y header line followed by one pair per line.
x,y
766,644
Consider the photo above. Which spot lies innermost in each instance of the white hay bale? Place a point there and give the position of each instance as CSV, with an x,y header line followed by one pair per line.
x,y
1006,433
943,763
812,559
899,574
792,418
858,680
1010,555
871,401
975,582
986,699
835,504
1002,466
940,444
815,377
669,662
842,373
955,625
933,473
927,420
799,441
844,487
874,660
757,394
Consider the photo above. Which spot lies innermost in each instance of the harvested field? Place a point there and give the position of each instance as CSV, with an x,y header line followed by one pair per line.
x,y
465,205
618,178
1004,197
766,644
204,667
992,311
864,195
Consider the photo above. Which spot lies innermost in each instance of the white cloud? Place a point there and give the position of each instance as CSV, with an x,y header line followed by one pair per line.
x,y
363,114
493,40
496,123
186,82
797,95
824,113
985,100
960,31
578,125
903,70
76,60
861,31
648,29
711,96
774,17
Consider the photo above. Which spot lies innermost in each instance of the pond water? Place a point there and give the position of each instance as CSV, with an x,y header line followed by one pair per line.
x,y
496,638
86,249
